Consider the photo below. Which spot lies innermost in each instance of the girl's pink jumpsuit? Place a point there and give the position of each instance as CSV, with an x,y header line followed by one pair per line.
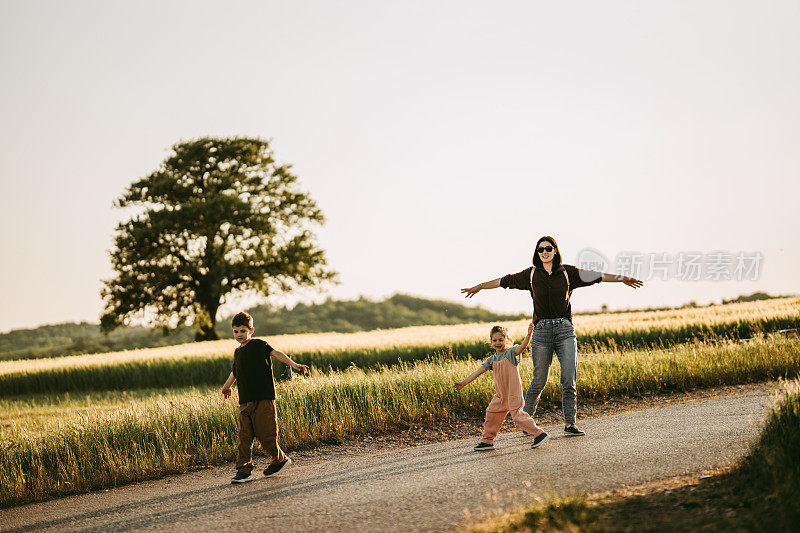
x,y
508,397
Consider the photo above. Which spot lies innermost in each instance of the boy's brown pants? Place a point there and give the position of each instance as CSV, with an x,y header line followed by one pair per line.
x,y
258,419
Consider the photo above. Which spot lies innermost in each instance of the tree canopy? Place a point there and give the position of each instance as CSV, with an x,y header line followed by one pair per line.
x,y
219,217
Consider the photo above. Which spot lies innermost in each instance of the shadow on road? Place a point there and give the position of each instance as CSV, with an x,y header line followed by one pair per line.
x,y
227,497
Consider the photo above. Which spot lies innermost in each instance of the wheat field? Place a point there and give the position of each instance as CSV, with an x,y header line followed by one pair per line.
x,y
437,336
143,438
72,424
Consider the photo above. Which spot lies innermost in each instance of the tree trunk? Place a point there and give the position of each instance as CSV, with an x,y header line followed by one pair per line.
x,y
208,291
206,324
206,333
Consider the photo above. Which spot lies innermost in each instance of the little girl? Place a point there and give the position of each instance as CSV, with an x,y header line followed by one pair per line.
x,y
508,389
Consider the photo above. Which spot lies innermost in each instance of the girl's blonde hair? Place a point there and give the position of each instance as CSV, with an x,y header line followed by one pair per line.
x,y
506,334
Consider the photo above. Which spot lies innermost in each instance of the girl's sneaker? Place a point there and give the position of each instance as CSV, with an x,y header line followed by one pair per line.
x,y
540,439
483,447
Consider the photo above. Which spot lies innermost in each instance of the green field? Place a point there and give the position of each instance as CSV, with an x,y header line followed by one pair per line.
x,y
150,435
208,363
72,424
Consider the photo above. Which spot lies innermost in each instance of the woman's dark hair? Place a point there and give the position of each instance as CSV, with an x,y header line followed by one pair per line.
x,y
537,261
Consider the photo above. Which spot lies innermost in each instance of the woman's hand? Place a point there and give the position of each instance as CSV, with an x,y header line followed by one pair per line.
x,y
301,368
226,392
472,291
459,385
632,282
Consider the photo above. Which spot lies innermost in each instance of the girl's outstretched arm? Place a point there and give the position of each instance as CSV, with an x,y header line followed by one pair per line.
x,y
630,282
461,384
521,348
472,291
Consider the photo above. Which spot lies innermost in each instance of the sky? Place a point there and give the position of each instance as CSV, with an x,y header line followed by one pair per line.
x,y
440,139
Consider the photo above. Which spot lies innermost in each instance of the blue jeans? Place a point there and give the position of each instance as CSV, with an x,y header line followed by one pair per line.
x,y
554,335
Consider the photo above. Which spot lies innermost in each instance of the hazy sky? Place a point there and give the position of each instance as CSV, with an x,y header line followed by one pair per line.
x,y
441,139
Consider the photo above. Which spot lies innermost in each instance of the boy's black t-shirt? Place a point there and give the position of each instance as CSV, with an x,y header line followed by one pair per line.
x,y
252,368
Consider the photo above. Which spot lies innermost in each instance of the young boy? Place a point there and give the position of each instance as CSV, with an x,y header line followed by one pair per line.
x,y
252,369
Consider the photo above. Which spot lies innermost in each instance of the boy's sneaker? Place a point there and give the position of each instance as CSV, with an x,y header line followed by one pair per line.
x,y
526,434
540,439
274,470
241,477
572,429
483,447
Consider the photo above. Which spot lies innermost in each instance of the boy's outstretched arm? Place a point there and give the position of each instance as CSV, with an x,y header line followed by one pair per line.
x,y
283,358
226,389
461,384
521,348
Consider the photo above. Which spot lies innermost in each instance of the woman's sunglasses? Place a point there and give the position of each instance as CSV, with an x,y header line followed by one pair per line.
x,y
543,249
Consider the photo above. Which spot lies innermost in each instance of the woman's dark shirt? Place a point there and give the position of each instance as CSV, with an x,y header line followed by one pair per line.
x,y
550,290
252,368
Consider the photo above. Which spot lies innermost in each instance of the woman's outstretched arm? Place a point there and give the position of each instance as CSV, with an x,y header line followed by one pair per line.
x,y
630,282
472,291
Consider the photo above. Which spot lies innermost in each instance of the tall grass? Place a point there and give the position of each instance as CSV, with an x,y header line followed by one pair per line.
x,y
142,442
771,472
669,335
647,328
151,438
206,364
146,373
39,413
197,371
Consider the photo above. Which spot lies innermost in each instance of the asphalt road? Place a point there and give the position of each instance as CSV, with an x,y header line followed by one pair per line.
x,y
424,488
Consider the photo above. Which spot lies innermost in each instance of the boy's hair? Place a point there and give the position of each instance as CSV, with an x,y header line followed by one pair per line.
x,y
242,319
506,334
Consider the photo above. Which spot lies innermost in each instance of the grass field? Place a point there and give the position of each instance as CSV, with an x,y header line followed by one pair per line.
x,y
208,363
43,413
589,327
72,424
149,435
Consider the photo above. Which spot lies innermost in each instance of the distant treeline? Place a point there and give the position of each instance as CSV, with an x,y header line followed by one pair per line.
x,y
343,316
347,316
755,297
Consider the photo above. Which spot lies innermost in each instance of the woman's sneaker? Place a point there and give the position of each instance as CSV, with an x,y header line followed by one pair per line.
x,y
540,439
483,447
241,477
274,470
572,429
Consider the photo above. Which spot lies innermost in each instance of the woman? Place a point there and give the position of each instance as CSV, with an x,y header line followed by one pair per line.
x,y
551,283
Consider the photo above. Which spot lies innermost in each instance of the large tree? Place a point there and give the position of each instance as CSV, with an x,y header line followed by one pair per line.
x,y
219,217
